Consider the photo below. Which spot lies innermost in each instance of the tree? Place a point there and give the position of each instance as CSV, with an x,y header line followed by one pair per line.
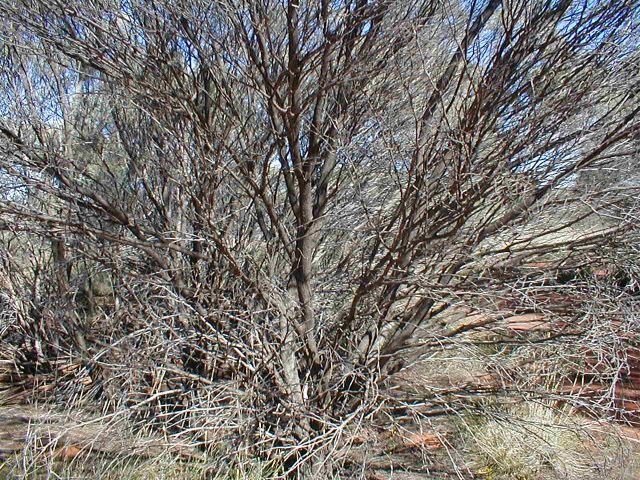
x,y
295,198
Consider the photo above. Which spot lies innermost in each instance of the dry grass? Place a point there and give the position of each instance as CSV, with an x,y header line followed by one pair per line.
x,y
42,443
38,464
535,442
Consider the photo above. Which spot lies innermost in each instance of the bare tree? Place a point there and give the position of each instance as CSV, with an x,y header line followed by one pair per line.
x,y
299,198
